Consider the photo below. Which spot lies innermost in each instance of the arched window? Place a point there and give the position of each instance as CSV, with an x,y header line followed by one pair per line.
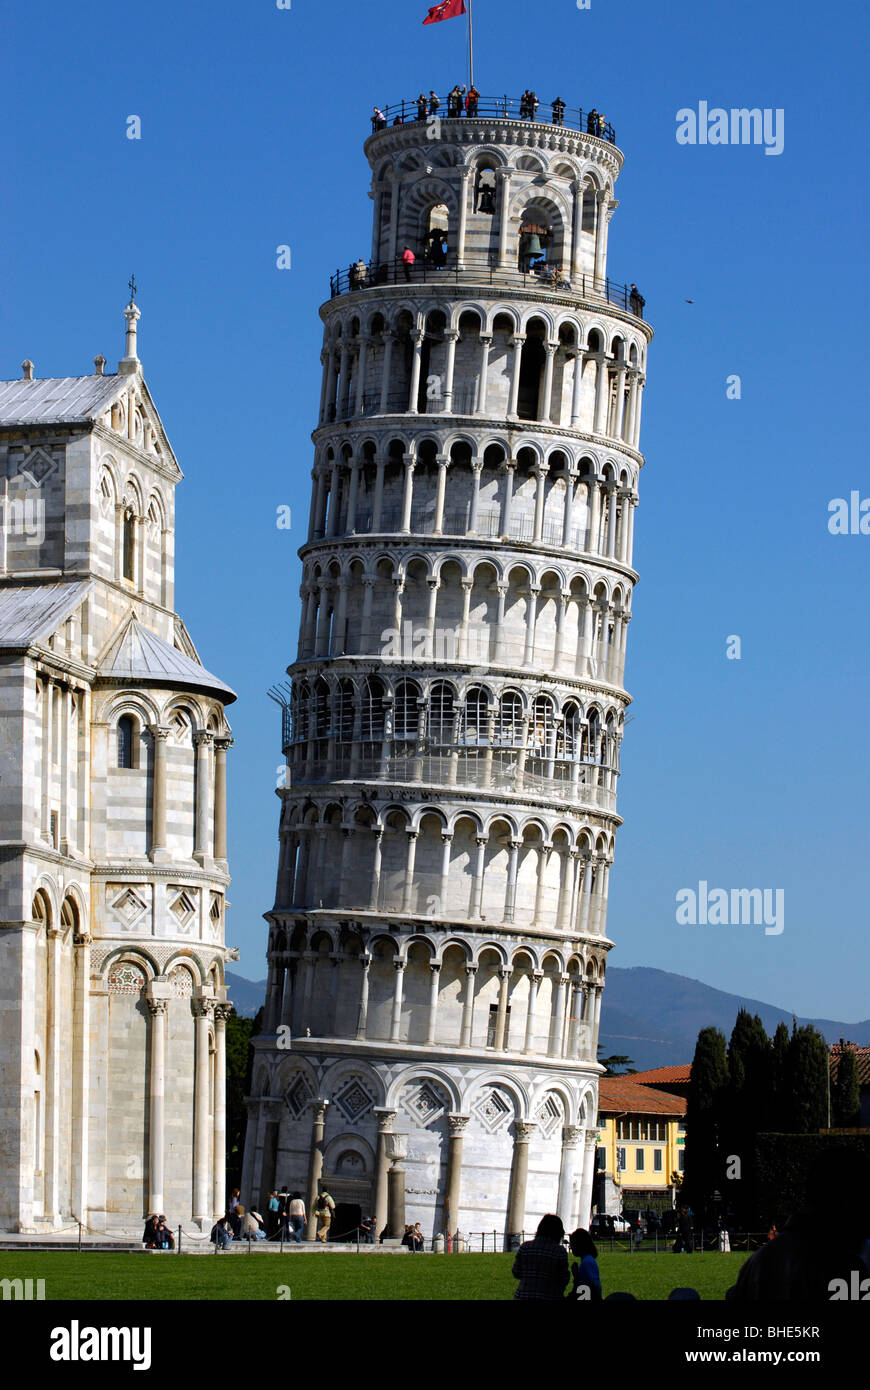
x,y
509,724
406,712
476,716
373,710
441,714
129,557
128,744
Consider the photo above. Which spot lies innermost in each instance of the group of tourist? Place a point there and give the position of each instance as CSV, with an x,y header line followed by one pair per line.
x,y
461,98
158,1234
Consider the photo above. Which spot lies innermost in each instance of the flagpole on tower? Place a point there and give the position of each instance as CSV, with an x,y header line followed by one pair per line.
x,y
470,48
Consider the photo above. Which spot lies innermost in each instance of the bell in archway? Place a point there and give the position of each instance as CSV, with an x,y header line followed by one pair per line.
x,y
533,245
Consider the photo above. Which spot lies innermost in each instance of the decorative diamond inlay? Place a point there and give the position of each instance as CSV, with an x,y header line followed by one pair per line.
x,y
550,1115
425,1103
184,911
354,1100
297,1096
493,1110
129,907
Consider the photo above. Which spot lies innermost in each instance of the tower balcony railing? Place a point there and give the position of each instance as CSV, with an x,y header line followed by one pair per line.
x,y
575,783
503,108
543,276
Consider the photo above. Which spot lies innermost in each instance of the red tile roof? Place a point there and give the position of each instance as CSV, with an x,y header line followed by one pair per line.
x,y
862,1055
663,1076
617,1094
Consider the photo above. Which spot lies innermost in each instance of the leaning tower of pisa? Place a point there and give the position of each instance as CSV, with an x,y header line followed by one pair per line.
x,y
454,715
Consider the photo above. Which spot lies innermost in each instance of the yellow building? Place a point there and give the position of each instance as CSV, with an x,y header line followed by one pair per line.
x,y
641,1146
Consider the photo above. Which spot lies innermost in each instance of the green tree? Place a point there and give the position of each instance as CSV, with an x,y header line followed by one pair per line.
x,y
239,1058
780,1082
617,1065
745,1108
703,1118
808,1080
846,1093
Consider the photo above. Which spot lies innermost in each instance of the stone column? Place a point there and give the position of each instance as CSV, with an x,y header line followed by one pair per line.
x,y
446,842
557,1017
81,1076
463,218
203,741
584,1214
534,983
523,1131
355,471
451,337
477,886
504,201
386,381
315,1163
396,1020
577,189
476,470
51,1096
287,999
365,961
468,1007
361,375
378,832
485,344
504,976
601,222
408,492
457,1125
619,414
417,339
221,1014
544,852
220,797
443,463
382,1163
408,888
567,1168
545,402
509,467
157,1078
432,1023
602,393
203,1005
516,343
540,497
513,863
575,1018
531,619
397,1149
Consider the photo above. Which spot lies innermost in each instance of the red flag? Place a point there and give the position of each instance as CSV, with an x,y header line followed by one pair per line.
x,y
448,9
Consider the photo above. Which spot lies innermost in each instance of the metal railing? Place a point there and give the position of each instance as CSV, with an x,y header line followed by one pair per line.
x,y
495,769
478,270
503,108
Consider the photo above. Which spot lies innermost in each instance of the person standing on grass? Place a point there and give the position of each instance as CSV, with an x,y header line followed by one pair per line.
x,y
587,1280
296,1211
274,1210
541,1265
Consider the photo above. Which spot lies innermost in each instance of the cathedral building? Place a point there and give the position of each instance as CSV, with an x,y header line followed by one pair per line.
x,y
113,858
455,713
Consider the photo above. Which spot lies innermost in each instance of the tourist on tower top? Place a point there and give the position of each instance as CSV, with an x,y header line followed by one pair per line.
x,y
471,101
409,260
454,100
558,111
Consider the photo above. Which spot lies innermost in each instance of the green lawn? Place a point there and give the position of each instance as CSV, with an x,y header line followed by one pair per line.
x,y
422,1278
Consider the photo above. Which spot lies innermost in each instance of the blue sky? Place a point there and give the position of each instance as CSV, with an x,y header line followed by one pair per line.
x,y
749,773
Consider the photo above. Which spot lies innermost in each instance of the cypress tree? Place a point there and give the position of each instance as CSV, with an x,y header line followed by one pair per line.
x,y
746,1107
780,1082
846,1094
809,1078
703,1118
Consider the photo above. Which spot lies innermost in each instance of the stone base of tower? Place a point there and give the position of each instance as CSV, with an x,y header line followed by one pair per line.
x,y
492,1143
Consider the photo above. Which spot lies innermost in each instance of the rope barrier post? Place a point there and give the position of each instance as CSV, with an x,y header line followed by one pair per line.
x,y
178,1247
80,1238
282,1237
249,1242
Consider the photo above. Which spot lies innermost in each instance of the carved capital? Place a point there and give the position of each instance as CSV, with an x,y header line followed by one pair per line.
x,y
524,1130
457,1125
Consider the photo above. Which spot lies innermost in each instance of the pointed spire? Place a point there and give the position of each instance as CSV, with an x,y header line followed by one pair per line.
x,y
130,361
